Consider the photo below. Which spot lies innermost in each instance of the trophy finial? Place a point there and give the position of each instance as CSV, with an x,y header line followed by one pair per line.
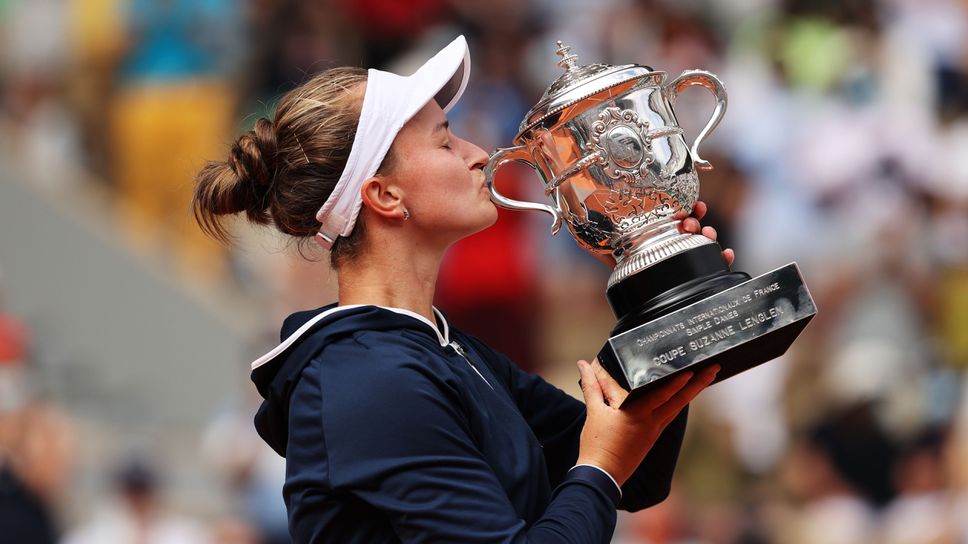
x,y
567,61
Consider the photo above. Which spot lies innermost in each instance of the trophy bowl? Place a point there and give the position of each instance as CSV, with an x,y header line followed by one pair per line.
x,y
618,172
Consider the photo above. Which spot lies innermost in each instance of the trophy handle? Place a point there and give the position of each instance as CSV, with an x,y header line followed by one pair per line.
x,y
710,82
517,153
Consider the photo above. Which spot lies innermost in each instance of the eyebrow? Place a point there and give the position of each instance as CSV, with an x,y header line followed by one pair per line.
x,y
442,126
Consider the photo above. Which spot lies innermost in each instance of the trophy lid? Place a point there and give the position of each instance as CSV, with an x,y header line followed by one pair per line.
x,y
580,82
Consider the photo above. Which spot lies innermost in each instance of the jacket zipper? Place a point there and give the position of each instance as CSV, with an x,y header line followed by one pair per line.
x,y
460,351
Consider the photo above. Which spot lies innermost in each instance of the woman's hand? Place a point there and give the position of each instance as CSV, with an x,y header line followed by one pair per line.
x,y
616,439
690,224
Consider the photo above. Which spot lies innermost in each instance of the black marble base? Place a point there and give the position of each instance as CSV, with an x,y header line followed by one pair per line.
x,y
724,320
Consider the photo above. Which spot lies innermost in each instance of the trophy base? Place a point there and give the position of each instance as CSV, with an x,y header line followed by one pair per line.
x,y
661,288
743,326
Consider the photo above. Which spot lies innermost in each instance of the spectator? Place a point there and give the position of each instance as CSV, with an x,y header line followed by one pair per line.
x,y
36,446
173,108
136,516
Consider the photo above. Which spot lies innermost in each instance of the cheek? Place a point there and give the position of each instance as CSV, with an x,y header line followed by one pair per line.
x,y
417,180
438,183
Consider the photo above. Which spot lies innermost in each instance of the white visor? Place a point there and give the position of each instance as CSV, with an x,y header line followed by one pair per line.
x,y
388,103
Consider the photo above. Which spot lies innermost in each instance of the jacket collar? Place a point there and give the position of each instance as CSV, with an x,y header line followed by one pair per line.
x,y
442,336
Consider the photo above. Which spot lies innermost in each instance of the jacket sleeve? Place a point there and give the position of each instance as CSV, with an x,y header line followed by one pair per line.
x,y
398,439
557,419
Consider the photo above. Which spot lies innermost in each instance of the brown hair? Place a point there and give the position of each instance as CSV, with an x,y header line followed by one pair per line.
x,y
281,172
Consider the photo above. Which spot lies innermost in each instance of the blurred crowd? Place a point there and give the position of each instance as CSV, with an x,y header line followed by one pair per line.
x,y
844,148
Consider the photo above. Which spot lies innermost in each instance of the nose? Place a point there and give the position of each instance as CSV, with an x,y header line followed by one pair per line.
x,y
476,157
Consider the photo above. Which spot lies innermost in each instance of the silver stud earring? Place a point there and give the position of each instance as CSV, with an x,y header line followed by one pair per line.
x,y
406,214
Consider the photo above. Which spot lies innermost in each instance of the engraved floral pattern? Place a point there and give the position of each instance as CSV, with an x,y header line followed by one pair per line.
x,y
617,130
640,193
630,180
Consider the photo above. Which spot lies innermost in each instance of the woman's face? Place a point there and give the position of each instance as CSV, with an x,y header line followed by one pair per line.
x,y
441,177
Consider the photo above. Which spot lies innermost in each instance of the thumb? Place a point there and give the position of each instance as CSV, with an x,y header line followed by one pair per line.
x,y
590,388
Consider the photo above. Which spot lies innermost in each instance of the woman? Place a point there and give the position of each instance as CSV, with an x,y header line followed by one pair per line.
x,y
396,427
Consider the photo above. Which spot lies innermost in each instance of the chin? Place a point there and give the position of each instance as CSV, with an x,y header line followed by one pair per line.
x,y
491,216
487,219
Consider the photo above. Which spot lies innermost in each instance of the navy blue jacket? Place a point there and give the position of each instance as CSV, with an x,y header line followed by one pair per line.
x,y
392,434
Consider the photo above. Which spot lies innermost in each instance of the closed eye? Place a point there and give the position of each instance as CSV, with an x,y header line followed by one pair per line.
x,y
445,128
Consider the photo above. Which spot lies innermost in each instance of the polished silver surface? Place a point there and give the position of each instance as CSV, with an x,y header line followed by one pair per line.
x,y
615,166
579,83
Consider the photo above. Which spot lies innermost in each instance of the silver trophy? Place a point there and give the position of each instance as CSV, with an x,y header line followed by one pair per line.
x,y
617,171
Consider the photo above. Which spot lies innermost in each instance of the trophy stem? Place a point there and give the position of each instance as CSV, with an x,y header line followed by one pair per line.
x,y
671,284
652,247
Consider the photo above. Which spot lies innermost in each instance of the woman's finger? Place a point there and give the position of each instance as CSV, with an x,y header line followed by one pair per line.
x,y
699,209
668,410
709,232
590,388
729,256
691,224
614,394
661,394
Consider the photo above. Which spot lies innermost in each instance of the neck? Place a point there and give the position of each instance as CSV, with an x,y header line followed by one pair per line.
x,y
398,277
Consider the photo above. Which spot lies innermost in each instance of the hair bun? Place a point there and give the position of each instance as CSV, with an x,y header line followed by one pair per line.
x,y
253,156
240,184
271,176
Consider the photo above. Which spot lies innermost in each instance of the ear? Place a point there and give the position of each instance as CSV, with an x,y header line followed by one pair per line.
x,y
383,197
